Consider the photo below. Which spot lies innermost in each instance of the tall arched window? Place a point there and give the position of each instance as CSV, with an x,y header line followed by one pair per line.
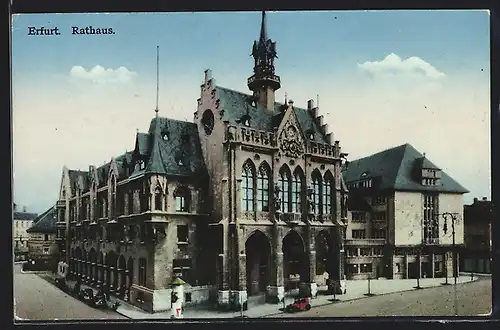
x,y
263,189
113,197
327,193
284,185
316,193
158,199
297,192
247,187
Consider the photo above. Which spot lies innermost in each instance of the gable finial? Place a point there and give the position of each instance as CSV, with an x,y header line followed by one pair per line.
x,y
317,101
157,78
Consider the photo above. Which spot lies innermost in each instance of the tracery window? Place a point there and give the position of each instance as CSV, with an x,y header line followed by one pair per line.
x,y
158,199
284,185
316,193
297,192
263,189
327,193
247,187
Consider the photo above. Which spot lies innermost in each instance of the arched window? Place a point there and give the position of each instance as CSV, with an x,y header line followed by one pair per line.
x,y
113,196
247,187
158,199
316,193
131,202
263,189
182,199
284,185
327,193
297,192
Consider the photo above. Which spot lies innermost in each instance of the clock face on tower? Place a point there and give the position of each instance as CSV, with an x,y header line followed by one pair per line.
x,y
207,120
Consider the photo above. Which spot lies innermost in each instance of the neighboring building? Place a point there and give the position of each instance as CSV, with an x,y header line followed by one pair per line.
x,y
396,199
22,221
247,200
477,251
42,243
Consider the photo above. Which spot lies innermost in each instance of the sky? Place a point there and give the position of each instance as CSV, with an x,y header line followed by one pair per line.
x,y
382,79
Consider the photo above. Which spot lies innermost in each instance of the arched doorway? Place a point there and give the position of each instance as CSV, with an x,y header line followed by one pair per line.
x,y
326,264
258,254
112,274
122,268
295,265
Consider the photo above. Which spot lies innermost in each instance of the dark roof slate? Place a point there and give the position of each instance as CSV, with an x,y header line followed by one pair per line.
x,y
394,168
25,216
236,104
177,154
45,222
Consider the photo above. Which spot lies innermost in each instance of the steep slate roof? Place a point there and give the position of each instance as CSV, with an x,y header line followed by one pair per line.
x,y
394,169
25,216
178,154
45,222
237,104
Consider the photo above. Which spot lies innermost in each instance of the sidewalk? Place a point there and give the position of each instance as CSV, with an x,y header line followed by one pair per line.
x,y
355,290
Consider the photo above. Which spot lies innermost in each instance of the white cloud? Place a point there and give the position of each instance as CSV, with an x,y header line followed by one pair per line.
x,y
100,75
393,66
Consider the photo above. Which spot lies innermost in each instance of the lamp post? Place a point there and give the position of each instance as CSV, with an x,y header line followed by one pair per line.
x,y
419,259
453,217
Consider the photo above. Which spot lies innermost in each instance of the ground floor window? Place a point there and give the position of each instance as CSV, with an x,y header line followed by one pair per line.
x,y
352,268
365,268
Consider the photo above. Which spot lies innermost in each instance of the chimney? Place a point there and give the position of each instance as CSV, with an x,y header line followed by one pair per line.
x,y
485,198
475,200
24,208
310,105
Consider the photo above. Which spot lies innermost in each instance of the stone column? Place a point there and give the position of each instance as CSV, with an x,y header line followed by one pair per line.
x,y
223,269
276,291
240,297
311,252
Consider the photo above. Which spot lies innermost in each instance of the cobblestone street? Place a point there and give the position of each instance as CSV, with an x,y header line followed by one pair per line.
x,y
473,299
37,299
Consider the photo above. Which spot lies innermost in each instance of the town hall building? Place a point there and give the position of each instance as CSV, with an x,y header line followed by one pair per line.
x,y
245,201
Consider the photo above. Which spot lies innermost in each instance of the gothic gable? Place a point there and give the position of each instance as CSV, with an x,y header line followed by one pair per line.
x,y
291,139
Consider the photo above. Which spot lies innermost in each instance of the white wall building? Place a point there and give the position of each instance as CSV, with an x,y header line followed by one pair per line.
x,y
397,199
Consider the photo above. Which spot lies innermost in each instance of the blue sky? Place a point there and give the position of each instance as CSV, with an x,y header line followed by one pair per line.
x,y
334,54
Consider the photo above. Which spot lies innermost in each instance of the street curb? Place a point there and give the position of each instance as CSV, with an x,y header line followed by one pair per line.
x,y
34,272
364,297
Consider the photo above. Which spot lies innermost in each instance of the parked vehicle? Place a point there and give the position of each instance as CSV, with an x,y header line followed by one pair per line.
x,y
300,304
87,296
61,284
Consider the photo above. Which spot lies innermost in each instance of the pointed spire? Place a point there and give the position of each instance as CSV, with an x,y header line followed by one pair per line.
x,y
157,78
263,28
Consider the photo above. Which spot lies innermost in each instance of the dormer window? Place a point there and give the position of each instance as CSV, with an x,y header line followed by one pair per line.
x,y
246,123
246,120
253,103
364,174
179,162
142,164
165,136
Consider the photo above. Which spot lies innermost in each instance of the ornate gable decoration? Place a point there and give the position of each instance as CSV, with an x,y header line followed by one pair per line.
x,y
291,141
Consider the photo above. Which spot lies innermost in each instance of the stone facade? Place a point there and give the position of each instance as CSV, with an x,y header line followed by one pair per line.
x,y
263,208
22,220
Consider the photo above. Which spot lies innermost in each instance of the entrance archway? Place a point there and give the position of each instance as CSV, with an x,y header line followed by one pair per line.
x,y
258,253
295,260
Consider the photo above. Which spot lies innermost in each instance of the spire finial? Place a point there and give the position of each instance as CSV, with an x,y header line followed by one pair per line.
x,y
286,98
263,27
157,78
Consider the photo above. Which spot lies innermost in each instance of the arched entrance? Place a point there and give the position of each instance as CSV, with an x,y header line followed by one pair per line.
x,y
122,268
258,254
295,265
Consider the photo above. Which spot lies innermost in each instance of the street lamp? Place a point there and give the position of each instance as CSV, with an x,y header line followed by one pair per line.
x,y
453,217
